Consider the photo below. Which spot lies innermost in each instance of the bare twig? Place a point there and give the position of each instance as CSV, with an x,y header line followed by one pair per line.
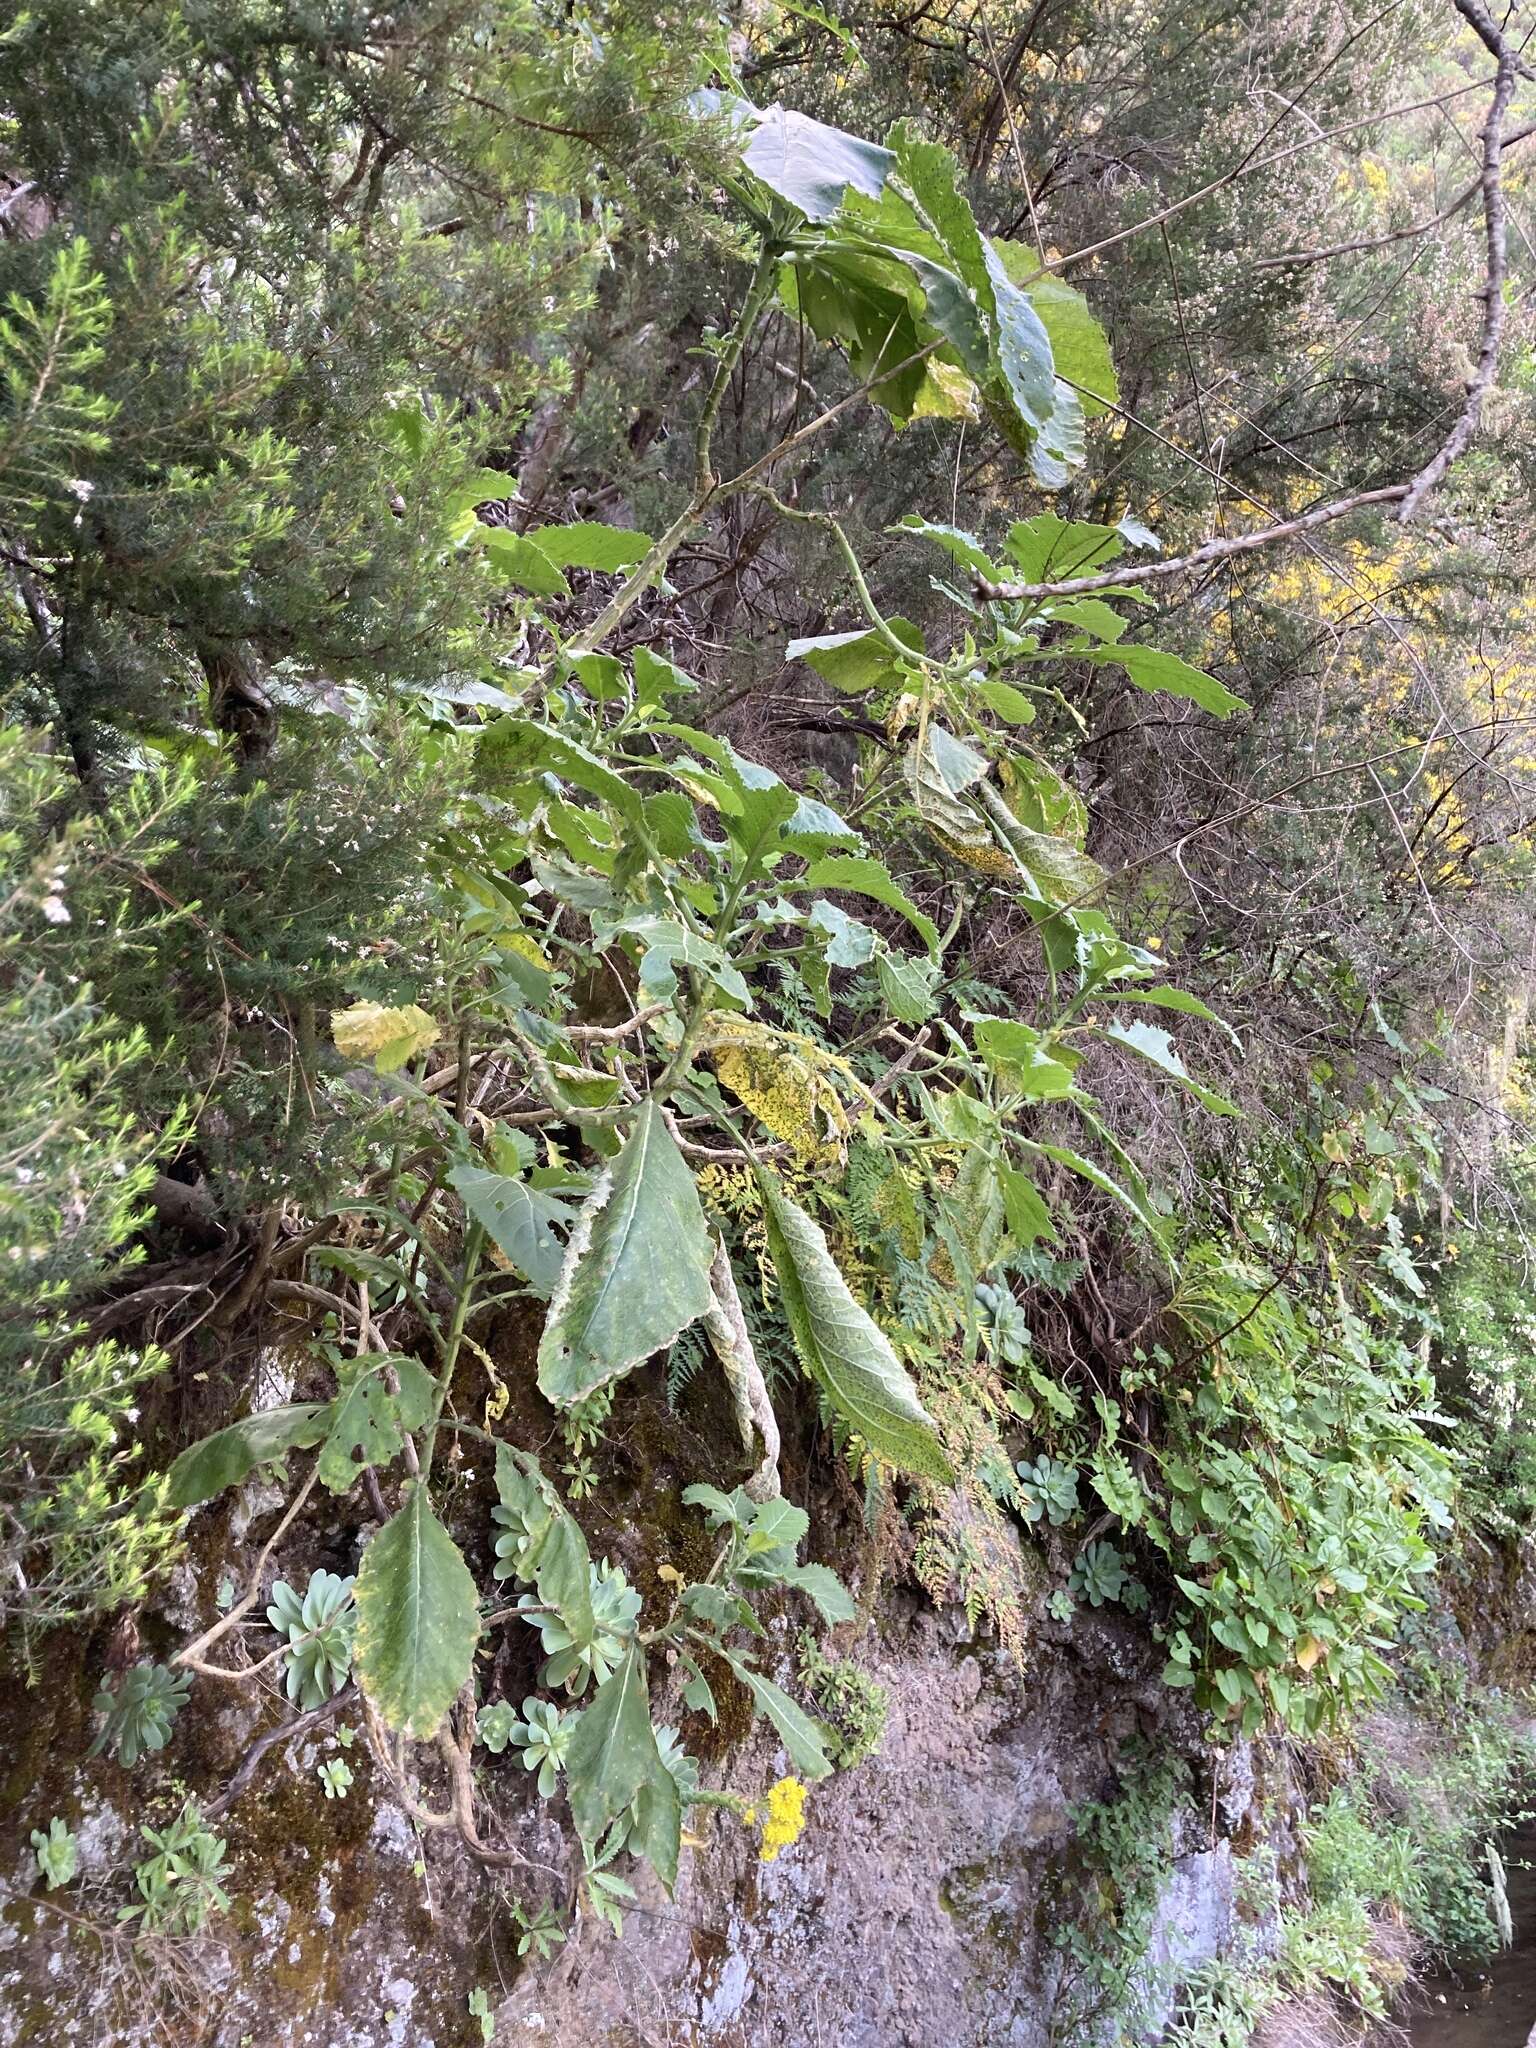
x,y
195,1649
286,1731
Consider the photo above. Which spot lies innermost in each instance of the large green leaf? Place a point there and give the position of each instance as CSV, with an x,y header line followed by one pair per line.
x,y
812,165
522,562
1015,368
587,545
1132,1199
552,1554
825,1589
793,1726
520,1221
418,1619
1047,549
1079,346
1179,999
1152,1044
866,299
899,266
1024,1059
964,547
842,1348
230,1455
1153,668
1060,871
940,772
861,660
613,1751
864,877
908,984
518,747
1026,1210
562,1568
368,1422
636,1270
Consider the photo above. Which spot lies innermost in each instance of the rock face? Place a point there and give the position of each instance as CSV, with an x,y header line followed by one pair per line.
x,y
920,1906
917,1909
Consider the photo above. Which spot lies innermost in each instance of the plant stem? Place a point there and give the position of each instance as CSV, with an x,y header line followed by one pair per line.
x,y
453,1342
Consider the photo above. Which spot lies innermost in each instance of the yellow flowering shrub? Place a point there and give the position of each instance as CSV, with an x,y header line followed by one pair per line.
x,y
785,1823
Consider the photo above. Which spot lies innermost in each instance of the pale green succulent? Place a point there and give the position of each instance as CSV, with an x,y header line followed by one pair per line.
x,y
139,1712
494,1725
56,1853
335,1775
319,1629
543,1735
573,1664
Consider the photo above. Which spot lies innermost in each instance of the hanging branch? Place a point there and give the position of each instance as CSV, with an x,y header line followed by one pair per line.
x,y
1408,497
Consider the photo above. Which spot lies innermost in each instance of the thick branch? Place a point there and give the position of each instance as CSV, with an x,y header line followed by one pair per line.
x,y
1492,294
1201,557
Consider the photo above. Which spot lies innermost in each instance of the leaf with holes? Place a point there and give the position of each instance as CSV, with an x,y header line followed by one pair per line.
x,y
230,1455
520,1221
368,1422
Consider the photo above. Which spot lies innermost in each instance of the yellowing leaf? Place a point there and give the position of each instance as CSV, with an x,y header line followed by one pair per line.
x,y
1308,1650
782,1078
369,1031
418,1619
946,393
528,946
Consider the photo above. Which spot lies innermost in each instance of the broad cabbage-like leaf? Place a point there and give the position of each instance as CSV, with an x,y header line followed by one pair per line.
x,y
370,1031
585,544
520,1221
368,1422
811,165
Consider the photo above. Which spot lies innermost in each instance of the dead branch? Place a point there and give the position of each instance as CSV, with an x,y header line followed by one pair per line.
x,y
1492,293
1202,557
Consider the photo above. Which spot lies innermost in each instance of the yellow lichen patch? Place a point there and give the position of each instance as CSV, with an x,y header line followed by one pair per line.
x,y
785,1080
